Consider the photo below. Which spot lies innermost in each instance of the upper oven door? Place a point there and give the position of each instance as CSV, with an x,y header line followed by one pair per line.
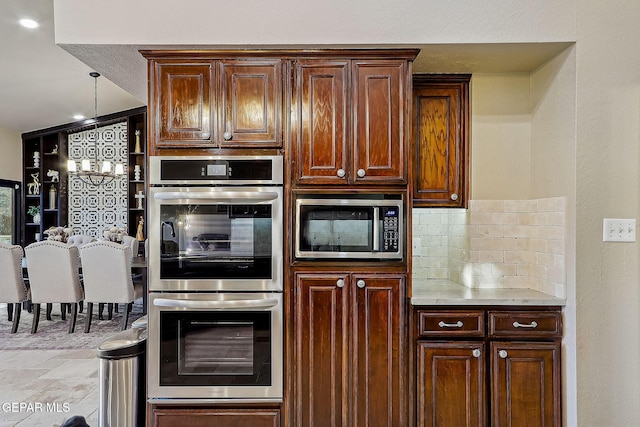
x,y
215,238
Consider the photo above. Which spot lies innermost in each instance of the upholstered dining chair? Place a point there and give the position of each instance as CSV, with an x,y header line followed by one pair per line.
x,y
13,290
132,242
106,269
80,239
54,278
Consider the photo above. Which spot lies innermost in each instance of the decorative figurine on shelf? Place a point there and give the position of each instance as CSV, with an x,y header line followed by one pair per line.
x,y
136,172
139,234
34,187
54,175
36,159
139,196
53,196
137,148
55,149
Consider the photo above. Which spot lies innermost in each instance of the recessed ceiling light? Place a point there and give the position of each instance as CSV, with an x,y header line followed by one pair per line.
x,y
78,117
29,23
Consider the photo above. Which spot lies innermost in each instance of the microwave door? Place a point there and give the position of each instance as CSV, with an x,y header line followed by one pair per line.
x,y
352,235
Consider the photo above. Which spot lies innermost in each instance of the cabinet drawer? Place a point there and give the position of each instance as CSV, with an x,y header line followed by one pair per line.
x,y
451,323
535,324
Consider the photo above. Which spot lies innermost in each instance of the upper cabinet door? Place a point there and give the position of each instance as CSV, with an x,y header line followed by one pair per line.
x,y
184,104
440,111
322,118
379,105
250,103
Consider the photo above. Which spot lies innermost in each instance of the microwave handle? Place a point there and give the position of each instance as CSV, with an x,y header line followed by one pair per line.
x,y
376,229
222,197
239,304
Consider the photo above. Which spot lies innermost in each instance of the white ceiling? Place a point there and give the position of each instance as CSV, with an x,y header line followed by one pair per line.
x,y
44,85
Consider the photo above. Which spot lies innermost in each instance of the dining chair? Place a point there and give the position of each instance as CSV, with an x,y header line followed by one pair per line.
x,y
80,239
13,290
132,242
106,269
54,277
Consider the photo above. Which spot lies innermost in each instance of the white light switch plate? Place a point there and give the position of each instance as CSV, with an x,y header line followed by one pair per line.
x,y
619,230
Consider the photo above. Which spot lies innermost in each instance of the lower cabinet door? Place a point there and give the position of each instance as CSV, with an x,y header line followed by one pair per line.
x,y
205,417
378,356
525,384
320,346
451,386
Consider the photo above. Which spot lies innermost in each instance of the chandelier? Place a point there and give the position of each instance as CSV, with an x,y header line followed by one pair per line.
x,y
100,173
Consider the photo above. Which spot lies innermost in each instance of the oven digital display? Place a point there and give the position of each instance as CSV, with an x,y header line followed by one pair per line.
x,y
217,169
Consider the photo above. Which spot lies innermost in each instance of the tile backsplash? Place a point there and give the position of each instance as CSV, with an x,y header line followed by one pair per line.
x,y
493,244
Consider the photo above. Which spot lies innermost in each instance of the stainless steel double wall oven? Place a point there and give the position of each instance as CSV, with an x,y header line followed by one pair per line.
x,y
215,279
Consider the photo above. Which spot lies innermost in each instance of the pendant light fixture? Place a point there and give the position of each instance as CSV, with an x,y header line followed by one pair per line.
x,y
98,173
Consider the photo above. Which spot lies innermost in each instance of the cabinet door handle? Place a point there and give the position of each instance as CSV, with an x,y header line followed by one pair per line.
x,y
476,352
361,173
340,283
361,284
503,354
531,325
454,197
458,324
227,136
205,135
341,173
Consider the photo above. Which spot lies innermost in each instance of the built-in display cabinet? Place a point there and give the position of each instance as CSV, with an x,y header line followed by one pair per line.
x,y
45,190
44,200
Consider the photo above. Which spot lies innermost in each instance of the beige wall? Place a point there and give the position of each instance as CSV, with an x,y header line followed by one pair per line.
x,y
608,185
500,136
598,173
11,155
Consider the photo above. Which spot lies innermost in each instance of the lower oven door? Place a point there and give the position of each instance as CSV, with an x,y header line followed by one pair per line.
x,y
215,347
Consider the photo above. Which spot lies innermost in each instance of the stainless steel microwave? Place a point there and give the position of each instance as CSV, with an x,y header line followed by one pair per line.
x,y
349,228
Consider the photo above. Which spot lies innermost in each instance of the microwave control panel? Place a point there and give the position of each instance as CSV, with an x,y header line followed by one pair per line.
x,y
390,229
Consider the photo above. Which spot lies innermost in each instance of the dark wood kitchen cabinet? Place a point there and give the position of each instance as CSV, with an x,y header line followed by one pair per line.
x,y
171,416
516,361
183,103
197,101
351,120
440,139
349,357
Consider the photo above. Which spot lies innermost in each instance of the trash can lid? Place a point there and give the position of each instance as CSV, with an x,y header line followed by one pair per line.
x,y
127,343
141,322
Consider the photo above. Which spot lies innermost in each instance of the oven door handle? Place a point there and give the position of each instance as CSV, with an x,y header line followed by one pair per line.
x,y
220,197
238,304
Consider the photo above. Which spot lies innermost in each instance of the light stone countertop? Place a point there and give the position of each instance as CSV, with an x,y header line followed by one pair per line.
x,y
445,292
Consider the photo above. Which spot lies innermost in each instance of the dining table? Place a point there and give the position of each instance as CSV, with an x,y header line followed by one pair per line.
x,y
138,268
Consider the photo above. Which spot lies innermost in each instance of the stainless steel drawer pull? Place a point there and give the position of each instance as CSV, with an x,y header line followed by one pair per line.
x,y
458,324
531,325
476,352
503,354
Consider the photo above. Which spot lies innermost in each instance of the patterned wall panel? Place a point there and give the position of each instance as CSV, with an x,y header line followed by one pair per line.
x,y
93,209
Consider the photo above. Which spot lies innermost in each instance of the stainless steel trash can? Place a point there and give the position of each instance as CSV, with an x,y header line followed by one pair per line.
x,y
122,373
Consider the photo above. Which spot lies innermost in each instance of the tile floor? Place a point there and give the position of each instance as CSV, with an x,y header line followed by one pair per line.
x,y
45,387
